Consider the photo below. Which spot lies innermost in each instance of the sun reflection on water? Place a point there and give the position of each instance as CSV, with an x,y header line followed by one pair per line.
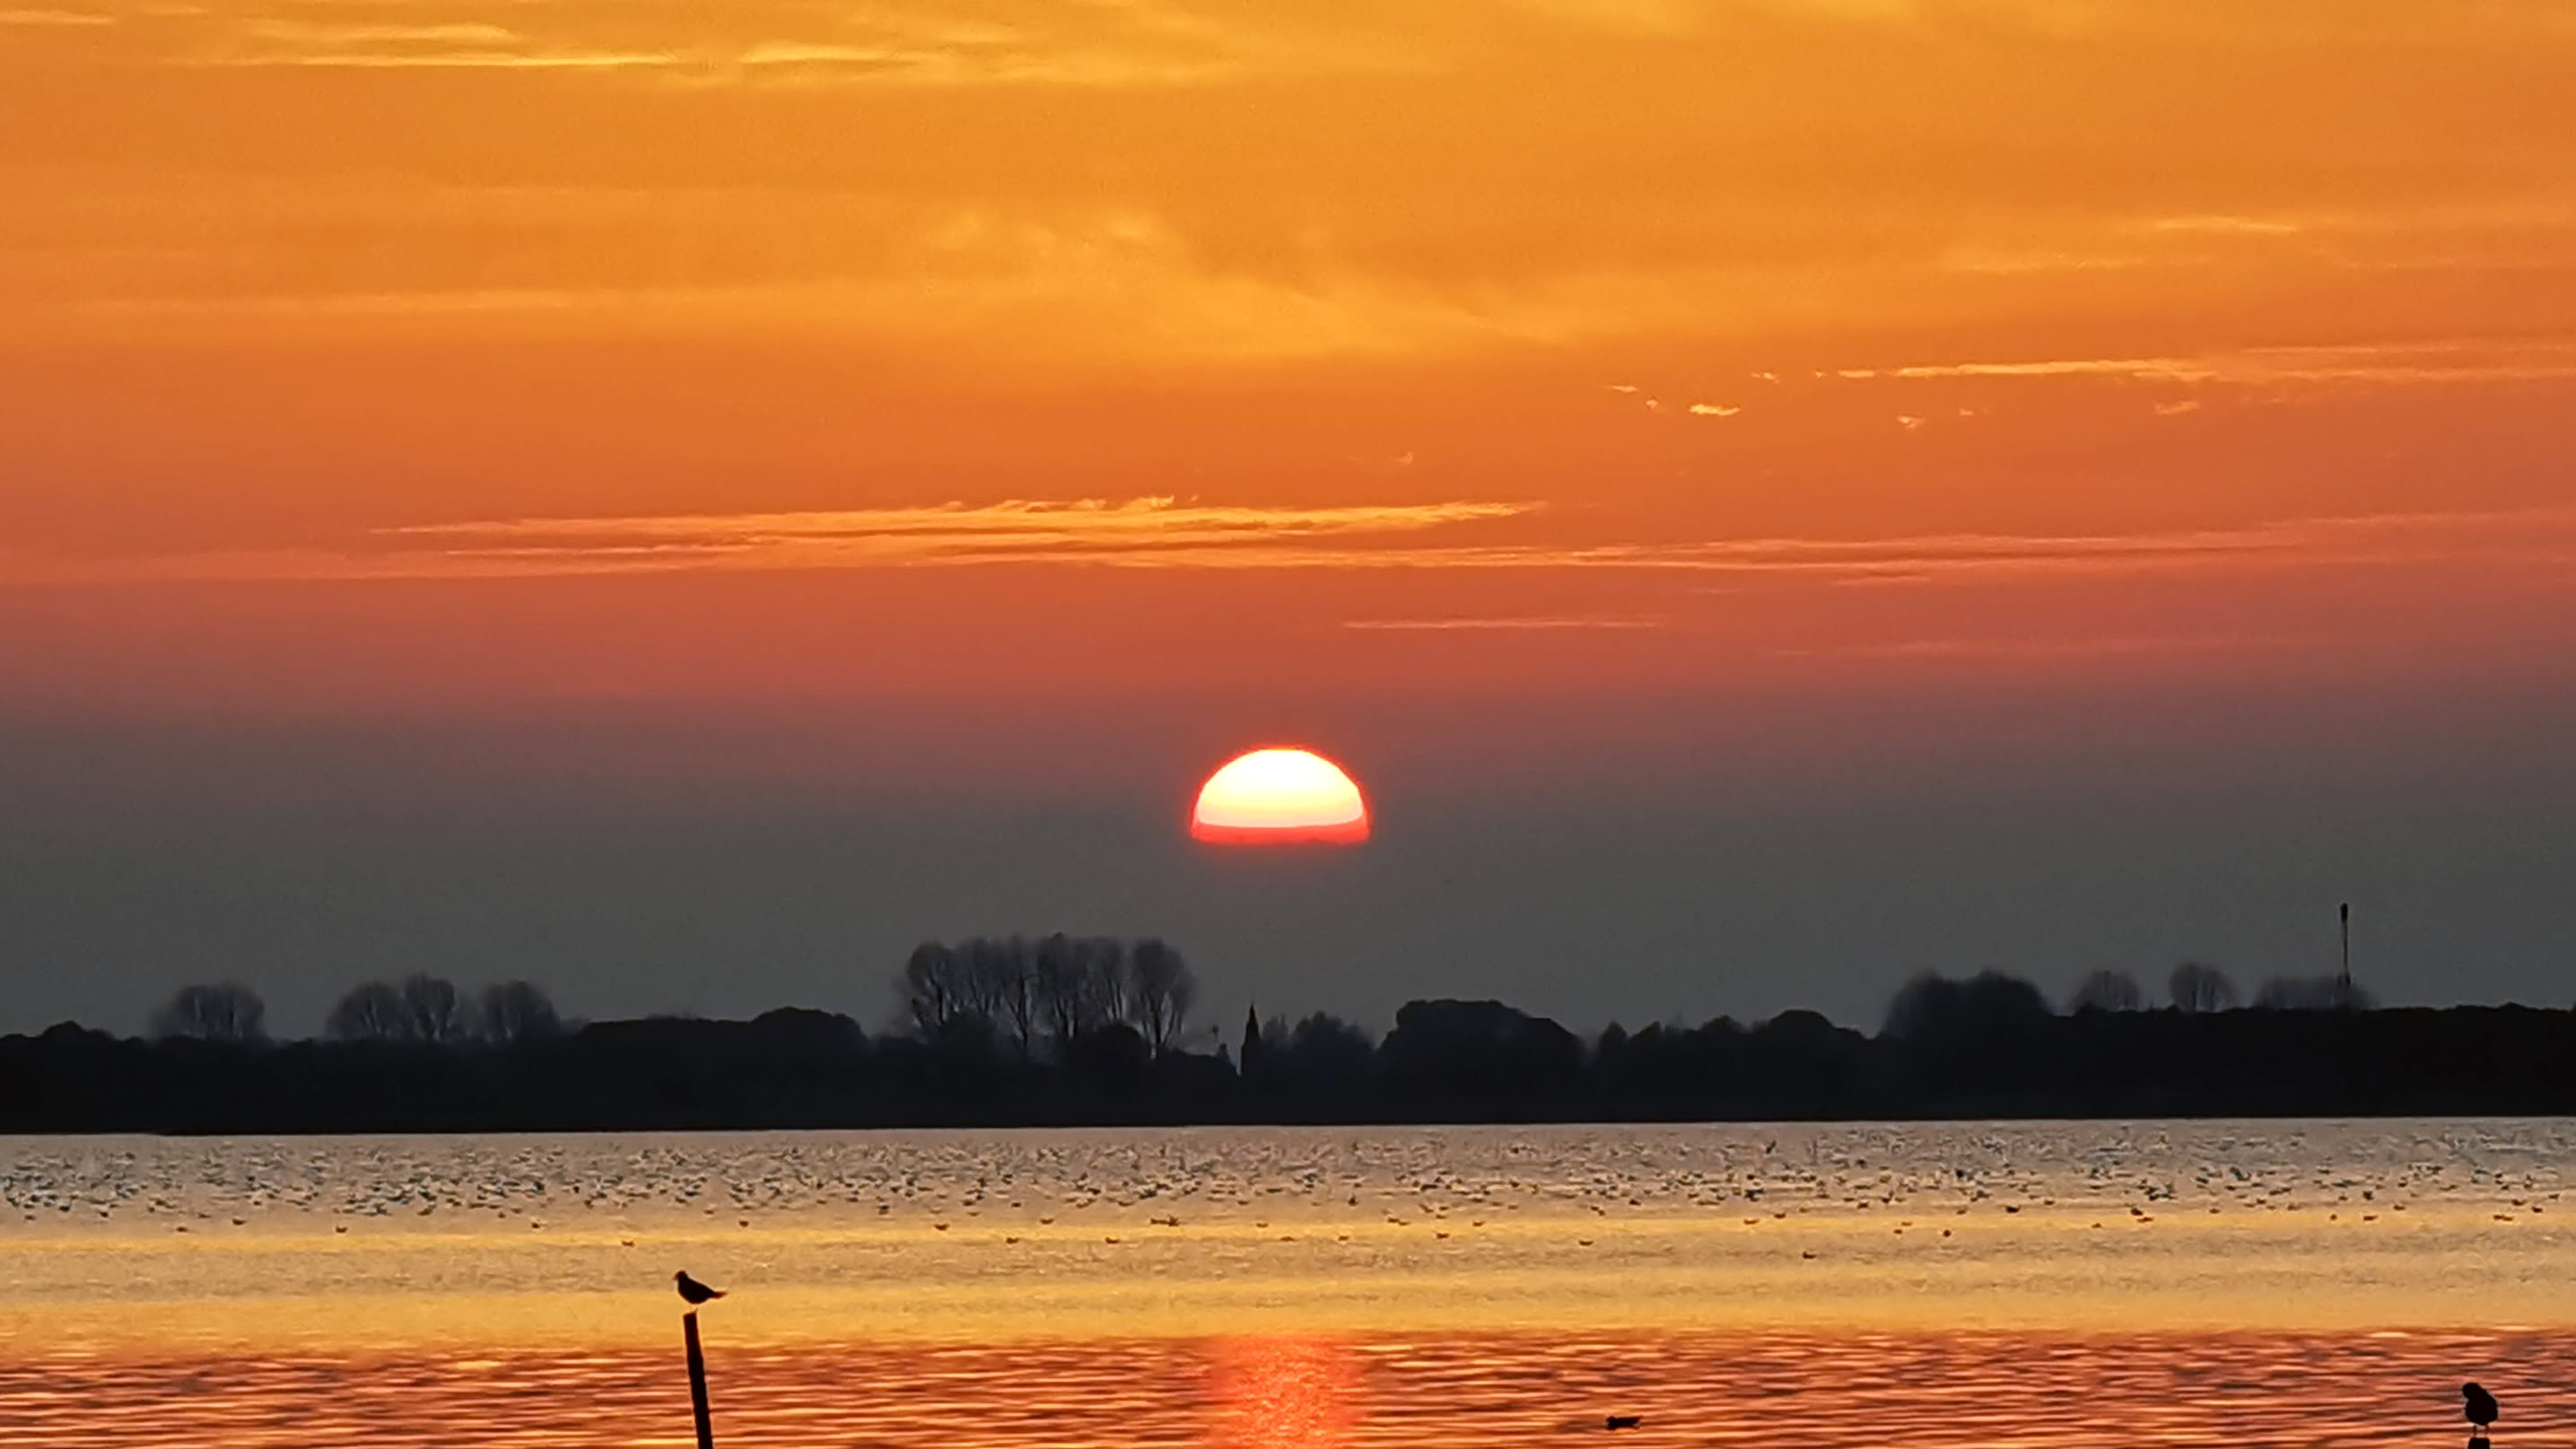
x,y
1469,1391
1282,1393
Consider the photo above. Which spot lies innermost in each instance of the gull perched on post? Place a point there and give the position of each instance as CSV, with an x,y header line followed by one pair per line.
x,y
693,1292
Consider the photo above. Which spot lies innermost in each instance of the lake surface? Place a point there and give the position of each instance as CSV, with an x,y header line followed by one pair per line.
x,y
1989,1284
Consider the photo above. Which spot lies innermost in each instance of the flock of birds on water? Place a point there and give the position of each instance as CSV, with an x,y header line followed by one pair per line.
x,y
2507,1171
2131,1177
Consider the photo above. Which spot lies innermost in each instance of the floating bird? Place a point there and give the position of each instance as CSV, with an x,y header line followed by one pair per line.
x,y
1621,1421
2481,1406
693,1292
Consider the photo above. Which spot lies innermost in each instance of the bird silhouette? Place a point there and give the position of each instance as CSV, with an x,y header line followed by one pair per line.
x,y
2481,1405
693,1292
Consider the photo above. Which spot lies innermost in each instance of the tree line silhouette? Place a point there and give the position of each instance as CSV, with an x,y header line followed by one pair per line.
x,y
1096,1030
421,1010
1053,991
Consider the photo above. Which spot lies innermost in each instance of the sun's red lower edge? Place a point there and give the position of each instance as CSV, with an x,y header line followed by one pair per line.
x,y
1348,832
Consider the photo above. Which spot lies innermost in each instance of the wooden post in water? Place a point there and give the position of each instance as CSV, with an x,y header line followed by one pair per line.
x,y
698,1383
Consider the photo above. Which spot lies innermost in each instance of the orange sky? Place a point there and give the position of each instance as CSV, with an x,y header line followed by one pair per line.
x,y
2114,399
1732,336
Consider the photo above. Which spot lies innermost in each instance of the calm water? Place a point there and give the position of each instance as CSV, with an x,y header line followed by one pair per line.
x,y
2181,1283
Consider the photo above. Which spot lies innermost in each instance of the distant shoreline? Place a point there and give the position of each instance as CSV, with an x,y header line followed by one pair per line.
x,y
1446,1064
1252,1124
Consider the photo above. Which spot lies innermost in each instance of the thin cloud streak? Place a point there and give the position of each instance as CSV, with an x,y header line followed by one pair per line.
x,y
1163,532
1505,624
907,533
2107,647
1102,47
454,60
1169,534
2452,361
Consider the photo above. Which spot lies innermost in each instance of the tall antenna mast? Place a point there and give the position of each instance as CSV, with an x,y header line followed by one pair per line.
x,y
2345,980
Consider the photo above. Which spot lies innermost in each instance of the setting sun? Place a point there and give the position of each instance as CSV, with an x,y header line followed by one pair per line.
x,y
1280,796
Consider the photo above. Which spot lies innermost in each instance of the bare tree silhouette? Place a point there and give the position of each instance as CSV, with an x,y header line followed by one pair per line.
x,y
1104,965
1003,975
997,982
436,1009
226,1012
929,986
1050,992
1986,1046
1064,988
512,1013
1165,990
373,1012
2195,987
2109,991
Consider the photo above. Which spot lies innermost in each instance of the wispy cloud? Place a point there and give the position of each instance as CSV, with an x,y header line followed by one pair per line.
x,y
1016,530
325,33
2468,360
2532,536
1072,283
1111,43
1165,533
1142,532
2225,225
54,18
463,59
2042,647
1508,623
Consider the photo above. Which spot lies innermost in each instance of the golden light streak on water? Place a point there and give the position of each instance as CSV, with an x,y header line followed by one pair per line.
x,y
2318,1284
1967,1390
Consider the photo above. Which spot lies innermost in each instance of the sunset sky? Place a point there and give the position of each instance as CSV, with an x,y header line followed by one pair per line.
x,y
683,501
